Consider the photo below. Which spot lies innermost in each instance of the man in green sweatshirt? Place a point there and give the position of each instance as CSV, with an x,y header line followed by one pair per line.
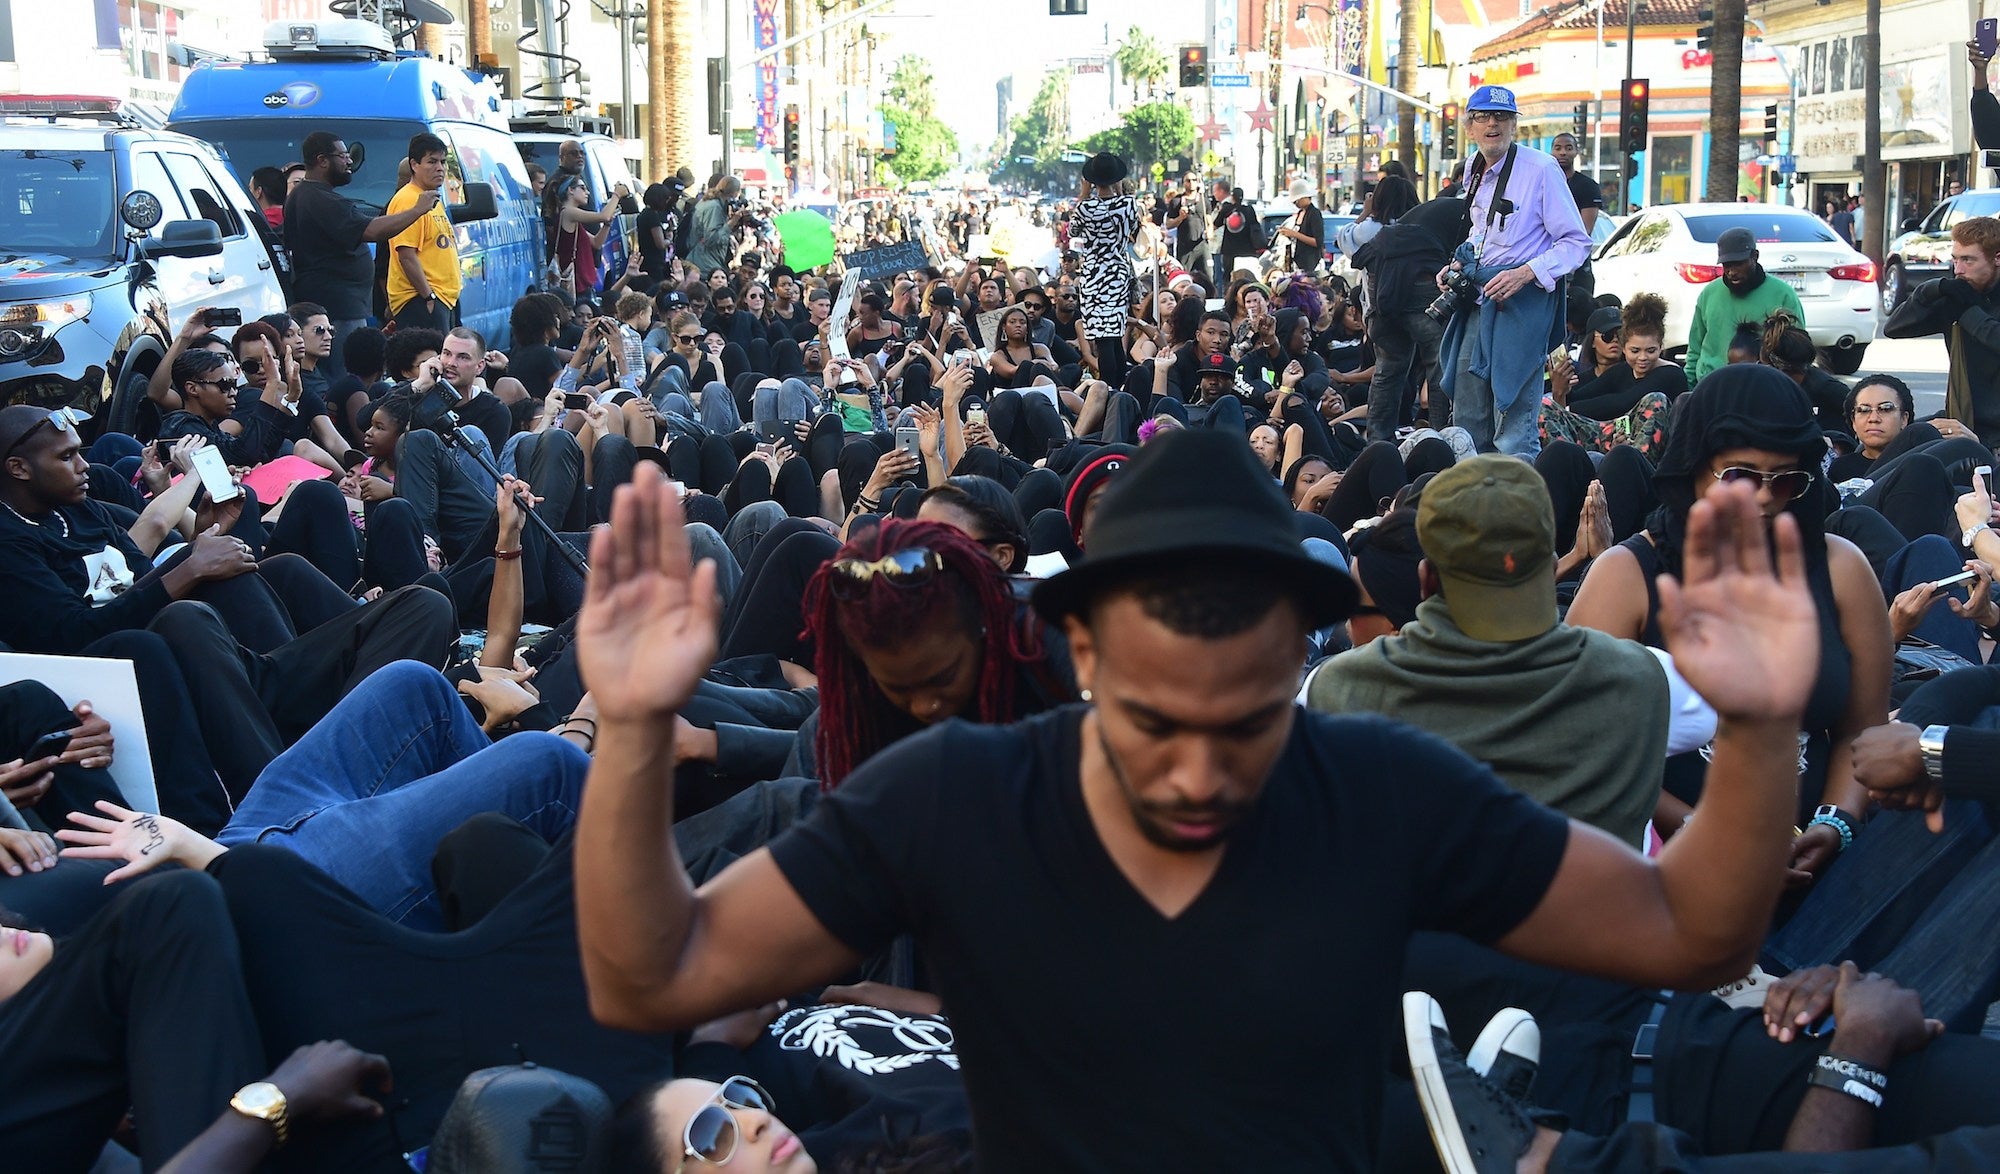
x,y
1573,717
1745,294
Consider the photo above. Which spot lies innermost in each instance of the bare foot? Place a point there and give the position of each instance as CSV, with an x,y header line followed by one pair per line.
x,y
1540,1150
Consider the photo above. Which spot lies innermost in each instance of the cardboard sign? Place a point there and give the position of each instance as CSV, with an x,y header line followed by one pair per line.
x,y
836,322
989,327
887,260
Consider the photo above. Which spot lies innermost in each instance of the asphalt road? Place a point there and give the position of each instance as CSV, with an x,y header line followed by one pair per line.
x,y
1919,362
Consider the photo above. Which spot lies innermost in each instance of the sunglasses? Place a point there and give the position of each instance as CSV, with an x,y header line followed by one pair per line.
x,y
224,384
1608,335
1787,486
319,330
1878,409
252,366
907,569
711,1134
61,419
687,337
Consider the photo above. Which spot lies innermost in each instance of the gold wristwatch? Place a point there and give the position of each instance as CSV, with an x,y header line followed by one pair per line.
x,y
266,1102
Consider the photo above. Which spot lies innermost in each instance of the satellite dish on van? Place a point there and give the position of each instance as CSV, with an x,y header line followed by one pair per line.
x,y
426,11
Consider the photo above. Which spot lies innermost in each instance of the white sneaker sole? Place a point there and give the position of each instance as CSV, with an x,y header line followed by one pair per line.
x,y
1432,1092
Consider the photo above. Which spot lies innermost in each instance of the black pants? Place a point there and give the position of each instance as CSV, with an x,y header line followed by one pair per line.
x,y
767,614
706,464
1406,357
257,703
1026,422
1375,475
183,773
319,964
1917,496
145,1008
394,554
315,526
793,487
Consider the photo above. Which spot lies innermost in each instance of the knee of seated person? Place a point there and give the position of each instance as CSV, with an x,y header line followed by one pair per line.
x,y
184,900
187,617
416,444
550,760
611,445
432,606
320,494
412,679
34,706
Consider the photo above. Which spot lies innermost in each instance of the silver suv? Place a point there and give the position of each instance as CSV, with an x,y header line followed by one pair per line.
x,y
110,235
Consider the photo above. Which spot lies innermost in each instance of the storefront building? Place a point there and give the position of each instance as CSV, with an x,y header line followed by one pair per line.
x,y
1926,92
1554,60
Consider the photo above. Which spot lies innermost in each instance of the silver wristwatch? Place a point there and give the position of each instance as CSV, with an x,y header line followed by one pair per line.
x,y
1931,744
1965,538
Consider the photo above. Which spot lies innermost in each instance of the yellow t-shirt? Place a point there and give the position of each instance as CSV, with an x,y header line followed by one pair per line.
x,y
436,243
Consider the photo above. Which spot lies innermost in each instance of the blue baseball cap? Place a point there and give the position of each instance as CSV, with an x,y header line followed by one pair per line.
x,y
1492,98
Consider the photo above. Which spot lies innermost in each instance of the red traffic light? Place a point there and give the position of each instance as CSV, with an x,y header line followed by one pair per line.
x,y
1451,111
1636,89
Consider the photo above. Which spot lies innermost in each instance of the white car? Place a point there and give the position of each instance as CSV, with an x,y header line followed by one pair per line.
x,y
1670,251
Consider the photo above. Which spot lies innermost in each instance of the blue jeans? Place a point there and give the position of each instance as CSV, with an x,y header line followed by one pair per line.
x,y
370,790
1926,560
1517,431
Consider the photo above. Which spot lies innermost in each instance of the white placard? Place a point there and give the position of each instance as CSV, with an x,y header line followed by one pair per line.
x,y
112,688
836,322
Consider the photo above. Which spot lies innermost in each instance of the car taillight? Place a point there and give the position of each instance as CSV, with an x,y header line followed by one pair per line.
x,y
1698,274
1861,271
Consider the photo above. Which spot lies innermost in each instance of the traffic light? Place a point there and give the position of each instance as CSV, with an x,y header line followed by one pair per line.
x,y
1771,121
1448,141
1632,109
1579,120
1194,66
1704,36
1069,7
791,134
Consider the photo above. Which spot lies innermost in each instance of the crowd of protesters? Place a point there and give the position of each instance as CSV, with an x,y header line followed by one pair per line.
x,y
735,724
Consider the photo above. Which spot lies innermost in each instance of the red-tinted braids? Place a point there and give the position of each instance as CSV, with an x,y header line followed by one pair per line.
x,y
853,713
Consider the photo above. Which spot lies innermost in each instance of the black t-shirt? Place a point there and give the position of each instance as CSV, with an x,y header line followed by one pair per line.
x,y
536,367
1253,1024
491,415
652,258
75,576
845,1075
1585,192
331,264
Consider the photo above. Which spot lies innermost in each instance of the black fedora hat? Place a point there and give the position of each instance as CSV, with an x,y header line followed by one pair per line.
x,y
1105,169
1188,497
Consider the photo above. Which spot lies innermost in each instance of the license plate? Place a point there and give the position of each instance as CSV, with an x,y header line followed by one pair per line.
x,y
1797,283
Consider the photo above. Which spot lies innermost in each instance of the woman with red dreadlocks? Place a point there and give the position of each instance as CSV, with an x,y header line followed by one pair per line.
x,y
914,623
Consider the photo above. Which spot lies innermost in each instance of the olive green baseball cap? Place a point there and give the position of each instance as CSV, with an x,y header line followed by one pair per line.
x,y
1489,531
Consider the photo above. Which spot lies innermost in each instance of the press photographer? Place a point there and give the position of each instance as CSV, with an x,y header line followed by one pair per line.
x,y
1503,291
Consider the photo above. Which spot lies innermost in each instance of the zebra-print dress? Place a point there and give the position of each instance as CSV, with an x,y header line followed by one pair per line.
x,y
1102,230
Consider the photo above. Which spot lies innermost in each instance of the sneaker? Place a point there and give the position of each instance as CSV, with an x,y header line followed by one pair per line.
x,y
1477,1128
1747,993
1508,1053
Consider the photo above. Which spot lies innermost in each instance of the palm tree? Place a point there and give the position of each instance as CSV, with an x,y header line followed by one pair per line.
x,y
1725,122
1141,60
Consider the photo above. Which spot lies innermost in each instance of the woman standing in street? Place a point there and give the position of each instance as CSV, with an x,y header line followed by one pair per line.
x,y
1103,225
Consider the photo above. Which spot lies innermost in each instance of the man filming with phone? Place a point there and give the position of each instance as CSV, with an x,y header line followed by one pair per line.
x,y
1502,294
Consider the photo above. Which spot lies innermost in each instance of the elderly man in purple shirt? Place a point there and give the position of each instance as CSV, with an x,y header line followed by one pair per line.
x,y
1526,237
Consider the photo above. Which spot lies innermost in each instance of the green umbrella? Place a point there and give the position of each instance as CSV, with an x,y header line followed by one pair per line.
x,y
808,239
